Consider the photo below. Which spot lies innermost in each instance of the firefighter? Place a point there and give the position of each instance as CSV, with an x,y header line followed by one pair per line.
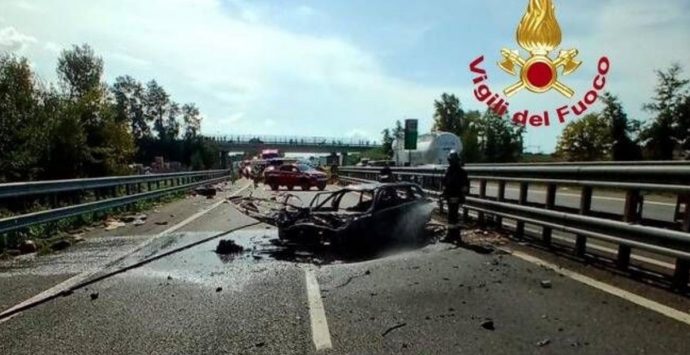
x,y
386,174
456,185
334,173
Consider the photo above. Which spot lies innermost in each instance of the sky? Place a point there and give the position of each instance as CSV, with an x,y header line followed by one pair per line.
x,y
346,68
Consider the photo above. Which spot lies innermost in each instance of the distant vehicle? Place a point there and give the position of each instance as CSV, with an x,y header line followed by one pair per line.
x,y
432,148
267,154
291,175
359,214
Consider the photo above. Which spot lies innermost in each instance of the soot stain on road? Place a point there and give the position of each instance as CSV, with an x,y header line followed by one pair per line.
x,y
264,246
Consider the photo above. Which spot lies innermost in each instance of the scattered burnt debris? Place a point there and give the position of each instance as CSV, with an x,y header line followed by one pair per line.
x,y
393,328
488,324
226,247
207,190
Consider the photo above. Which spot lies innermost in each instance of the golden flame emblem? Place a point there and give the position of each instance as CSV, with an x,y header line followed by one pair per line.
x,y
539,33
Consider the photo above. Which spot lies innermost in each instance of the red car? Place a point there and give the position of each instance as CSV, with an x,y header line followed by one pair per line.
x,y
291,175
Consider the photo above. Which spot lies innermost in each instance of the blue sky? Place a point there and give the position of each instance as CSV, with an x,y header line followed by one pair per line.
x,y
343,68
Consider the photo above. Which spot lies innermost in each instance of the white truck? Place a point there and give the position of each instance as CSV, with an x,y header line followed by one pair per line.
x,y
432,149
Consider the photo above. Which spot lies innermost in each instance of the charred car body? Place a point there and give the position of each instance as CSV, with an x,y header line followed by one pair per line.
x,y
354,215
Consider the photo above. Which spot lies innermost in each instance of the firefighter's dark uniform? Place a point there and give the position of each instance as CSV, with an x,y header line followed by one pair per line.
x,y
386,174
455,185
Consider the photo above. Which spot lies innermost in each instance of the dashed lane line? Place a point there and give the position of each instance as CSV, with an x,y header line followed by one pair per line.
x,y
317,313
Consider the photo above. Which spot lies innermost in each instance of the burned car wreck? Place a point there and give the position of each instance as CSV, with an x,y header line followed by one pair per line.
x,y
353,215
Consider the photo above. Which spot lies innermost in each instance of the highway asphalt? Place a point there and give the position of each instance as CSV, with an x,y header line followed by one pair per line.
x,y
272,300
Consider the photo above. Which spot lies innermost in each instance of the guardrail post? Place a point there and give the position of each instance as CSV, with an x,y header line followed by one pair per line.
x,y
482,195
585,209
501,197
549,205
522,200
631,214
681,275
128,189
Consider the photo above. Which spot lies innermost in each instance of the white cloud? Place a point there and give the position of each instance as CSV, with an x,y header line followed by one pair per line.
x,y
203,52
27,6
52,47
12,40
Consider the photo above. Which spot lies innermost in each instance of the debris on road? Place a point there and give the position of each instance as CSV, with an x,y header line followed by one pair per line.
x,y
207,190
544,342
228,247
94,296
134,218
545,284
218,289
61,244
162,223
112,224
28,246
488,324
393,328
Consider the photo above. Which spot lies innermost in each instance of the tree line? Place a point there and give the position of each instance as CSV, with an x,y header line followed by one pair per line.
x,y
606,135
83,127
485,136
612,135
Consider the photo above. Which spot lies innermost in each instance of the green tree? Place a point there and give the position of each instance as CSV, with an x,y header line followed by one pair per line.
x,y
663,134
129,105
109,143
172,124
398,131
192,120
387,141
500,139
156,106
585,139
22,125
622,146
683,128
471,150
448,114
79,70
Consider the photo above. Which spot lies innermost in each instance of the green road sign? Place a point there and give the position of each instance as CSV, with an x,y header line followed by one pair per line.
x,y
411,134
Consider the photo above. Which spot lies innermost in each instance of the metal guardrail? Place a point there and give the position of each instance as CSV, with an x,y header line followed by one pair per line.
x,y
626,232
133,185
295,140
20,189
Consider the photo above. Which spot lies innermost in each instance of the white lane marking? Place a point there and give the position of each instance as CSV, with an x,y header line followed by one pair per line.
x,y
317,313
67,284
618,292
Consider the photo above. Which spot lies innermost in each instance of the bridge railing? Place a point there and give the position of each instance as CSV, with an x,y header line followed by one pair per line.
x,y
294,140
626,228
26,204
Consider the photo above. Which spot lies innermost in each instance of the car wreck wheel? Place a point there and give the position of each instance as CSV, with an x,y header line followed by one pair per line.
x,y
290,187
274,187
322,187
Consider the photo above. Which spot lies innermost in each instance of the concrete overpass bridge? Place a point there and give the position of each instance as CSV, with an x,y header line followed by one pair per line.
x,y
294,144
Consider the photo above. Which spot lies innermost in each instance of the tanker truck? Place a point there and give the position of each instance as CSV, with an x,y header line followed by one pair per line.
x,y
432,149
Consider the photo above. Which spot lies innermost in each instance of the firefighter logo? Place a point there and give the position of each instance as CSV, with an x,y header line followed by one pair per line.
x,y
539,34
